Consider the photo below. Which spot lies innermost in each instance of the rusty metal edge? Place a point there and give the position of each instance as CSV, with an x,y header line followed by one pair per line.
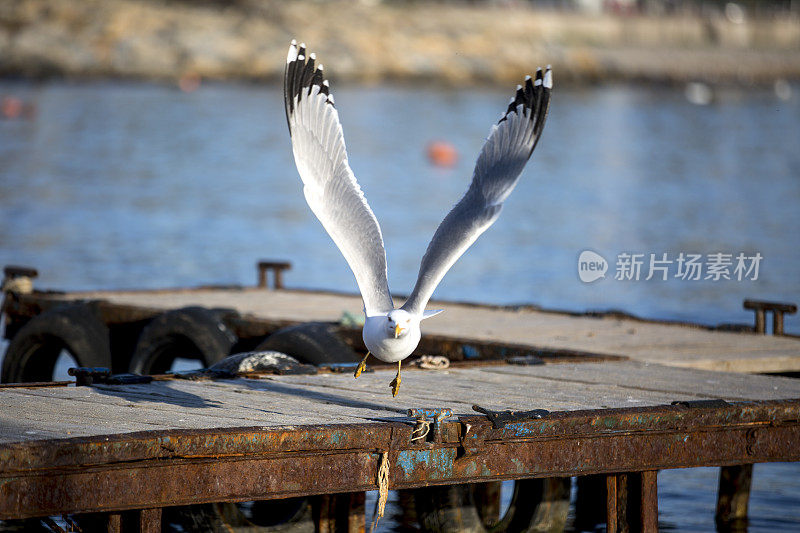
x,y
467,431
152,469
82,452
155,483
152,484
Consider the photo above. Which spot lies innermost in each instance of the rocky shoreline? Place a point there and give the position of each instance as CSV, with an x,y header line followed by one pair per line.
x,y
449,44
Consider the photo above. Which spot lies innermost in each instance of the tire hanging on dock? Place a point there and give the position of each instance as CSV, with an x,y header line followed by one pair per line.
x,y
291,515
537,505
34,350
189,333
314,343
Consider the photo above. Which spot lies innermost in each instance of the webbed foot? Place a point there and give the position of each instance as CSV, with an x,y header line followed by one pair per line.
x,y
395,384
361,366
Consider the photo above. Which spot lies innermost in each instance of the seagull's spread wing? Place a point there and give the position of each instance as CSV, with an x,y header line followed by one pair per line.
x,y
509,146
330,187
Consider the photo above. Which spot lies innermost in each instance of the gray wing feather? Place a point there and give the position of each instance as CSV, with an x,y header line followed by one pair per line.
x,y
330,188
505,153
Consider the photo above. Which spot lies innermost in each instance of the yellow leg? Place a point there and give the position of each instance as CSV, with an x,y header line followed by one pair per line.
x,y
395,384
361,366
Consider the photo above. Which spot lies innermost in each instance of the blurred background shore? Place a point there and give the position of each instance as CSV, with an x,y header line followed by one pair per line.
x,y
448,43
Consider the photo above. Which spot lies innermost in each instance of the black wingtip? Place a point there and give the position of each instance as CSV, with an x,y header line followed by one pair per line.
x,y
533,96
532,100
300,76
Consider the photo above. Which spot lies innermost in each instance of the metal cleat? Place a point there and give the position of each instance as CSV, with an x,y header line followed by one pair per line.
x,y
427,417
700,404
88,376
501,418
778,309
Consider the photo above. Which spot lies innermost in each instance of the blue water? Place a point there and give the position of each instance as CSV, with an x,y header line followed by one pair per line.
x,y
115,185
135,185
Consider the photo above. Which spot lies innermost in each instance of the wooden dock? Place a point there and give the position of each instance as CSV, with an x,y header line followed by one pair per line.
x,y
670,344
530,395
146,446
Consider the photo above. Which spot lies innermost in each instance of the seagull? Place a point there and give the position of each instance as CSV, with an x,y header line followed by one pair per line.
x,y
334,196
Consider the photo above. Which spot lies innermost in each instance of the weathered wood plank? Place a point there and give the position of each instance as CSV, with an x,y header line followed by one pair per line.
x,y
636,375
85,411
277,401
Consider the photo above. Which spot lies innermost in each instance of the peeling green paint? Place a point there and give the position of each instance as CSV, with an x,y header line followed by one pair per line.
x,y
430,464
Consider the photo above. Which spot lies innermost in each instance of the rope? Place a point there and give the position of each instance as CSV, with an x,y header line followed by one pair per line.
x,y
421,430
383,490
433,362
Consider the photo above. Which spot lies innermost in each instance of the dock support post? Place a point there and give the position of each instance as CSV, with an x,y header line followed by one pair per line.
x,y
114,523
616,498
733,497
141,521
150,520
324,514
649,510
632,502
339,512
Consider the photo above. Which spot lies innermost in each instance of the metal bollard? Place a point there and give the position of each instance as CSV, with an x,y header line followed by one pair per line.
x,y
778,309
277,267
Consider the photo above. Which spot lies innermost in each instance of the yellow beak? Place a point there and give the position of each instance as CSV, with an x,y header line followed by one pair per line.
x,y
397,331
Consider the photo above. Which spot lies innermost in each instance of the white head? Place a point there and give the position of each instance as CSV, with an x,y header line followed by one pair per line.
x,y
399,322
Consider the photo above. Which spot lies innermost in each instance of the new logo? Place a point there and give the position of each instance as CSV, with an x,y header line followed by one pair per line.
x,y
591,266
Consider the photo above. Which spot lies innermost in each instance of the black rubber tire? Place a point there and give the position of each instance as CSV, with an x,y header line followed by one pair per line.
x,y
191,333
537,505
292,515
447,509
315,343
34,350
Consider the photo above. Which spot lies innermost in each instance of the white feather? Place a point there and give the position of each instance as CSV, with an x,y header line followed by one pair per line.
x,y
333,194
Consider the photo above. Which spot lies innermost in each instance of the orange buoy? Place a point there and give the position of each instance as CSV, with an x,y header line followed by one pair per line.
x,y
12,107
189,82
442,153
